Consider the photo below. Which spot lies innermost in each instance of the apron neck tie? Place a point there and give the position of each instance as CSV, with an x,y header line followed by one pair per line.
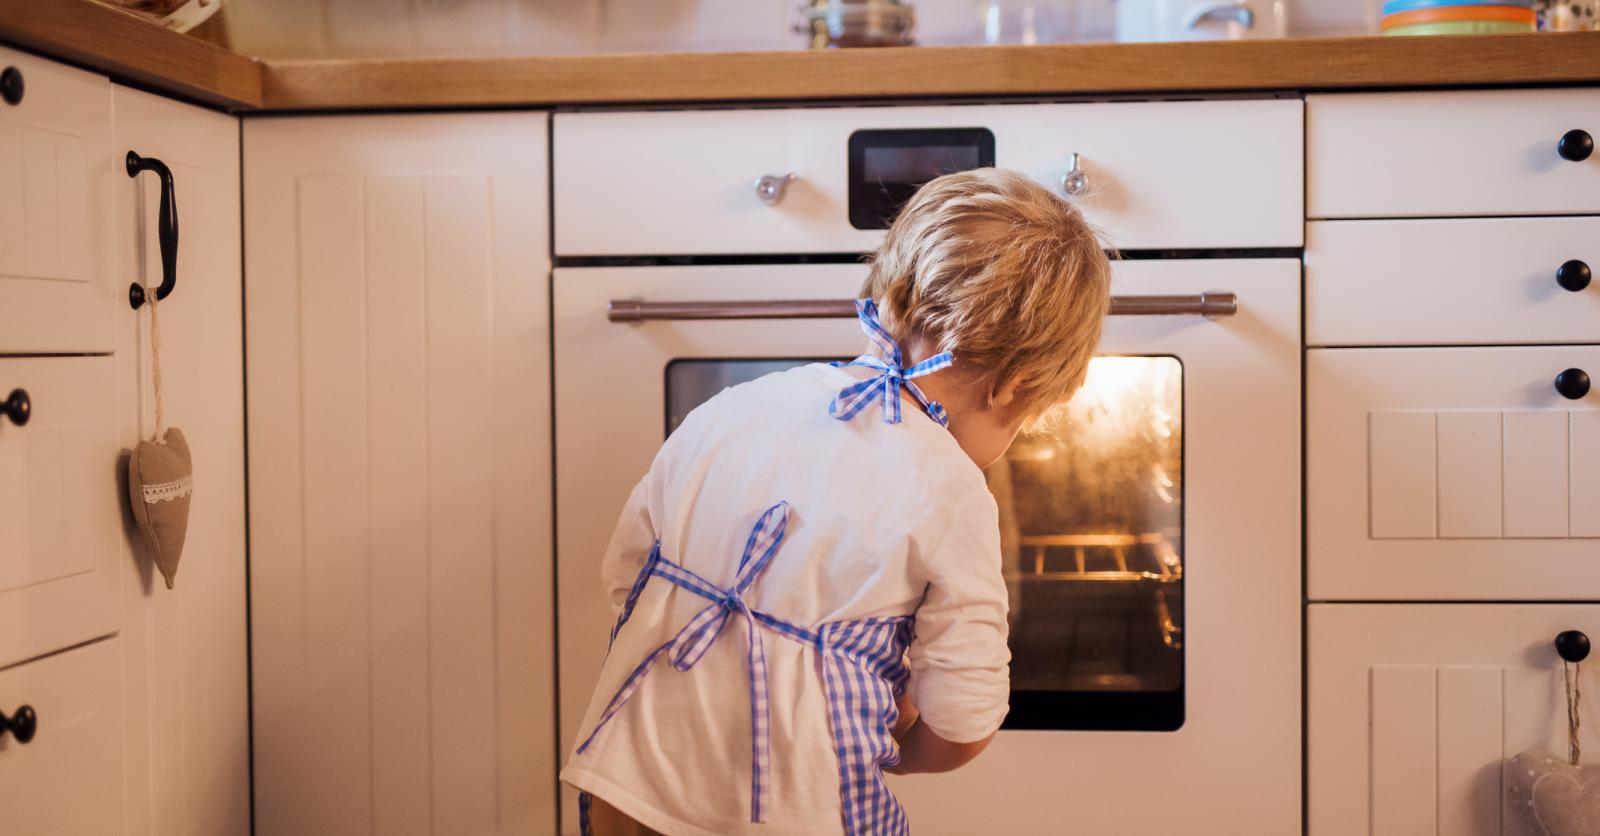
x,y
885,385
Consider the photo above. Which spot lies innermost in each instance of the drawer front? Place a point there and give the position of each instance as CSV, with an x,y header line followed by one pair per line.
x,y
55,211
1451,473
1160,174
61,486
1442,282
1378,155
67,781
1412,709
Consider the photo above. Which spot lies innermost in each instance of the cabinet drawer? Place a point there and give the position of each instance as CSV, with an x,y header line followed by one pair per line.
x,y
67,781
1440,282
1458,153
61,486
1411,710
55,211
1160,174
1451,473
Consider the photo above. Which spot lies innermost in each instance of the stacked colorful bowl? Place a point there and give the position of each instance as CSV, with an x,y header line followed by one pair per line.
x,y
1457,17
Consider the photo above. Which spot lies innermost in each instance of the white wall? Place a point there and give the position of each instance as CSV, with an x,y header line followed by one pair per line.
x,y
312,28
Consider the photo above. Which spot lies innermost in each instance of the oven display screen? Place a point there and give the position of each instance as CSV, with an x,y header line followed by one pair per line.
x,y
888,166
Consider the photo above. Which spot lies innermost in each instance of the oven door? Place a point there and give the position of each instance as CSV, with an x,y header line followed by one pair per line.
x,y
1150,530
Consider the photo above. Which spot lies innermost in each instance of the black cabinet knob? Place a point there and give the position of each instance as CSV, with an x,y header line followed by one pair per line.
x,y
1573,275
11,86
24,723
17,406
1573,384
1572,645
1575,145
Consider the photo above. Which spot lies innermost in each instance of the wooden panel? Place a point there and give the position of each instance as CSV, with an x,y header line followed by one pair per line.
x,y
1384,155
128,47
1536,474
68,780
58,477
1269,64
1384,282
1536,554
1470,750
1404,793
185,674
1412,709
1400,455
459,375
398,523
1469,474
1584,470
418,346
55,206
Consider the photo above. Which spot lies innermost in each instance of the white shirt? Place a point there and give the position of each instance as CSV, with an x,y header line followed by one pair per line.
x,y
885,520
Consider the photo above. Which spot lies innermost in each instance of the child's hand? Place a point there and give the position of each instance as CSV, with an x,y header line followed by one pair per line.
x,y
908,716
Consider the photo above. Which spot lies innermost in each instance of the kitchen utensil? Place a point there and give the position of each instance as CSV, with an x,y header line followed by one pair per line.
x,y
846,23
1200,20
1460,27
1397,6
1443,14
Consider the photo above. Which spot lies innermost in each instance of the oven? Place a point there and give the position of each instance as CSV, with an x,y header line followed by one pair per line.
x,y
1151,534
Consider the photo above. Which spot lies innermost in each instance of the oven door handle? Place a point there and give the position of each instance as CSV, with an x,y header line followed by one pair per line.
x,y
1212,303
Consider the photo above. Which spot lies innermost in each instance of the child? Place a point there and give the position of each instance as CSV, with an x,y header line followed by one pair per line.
x,y
808,581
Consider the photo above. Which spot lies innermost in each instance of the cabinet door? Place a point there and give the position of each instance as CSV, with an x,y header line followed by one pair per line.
x,y
56,287
1413,709
399,379
61,488
1452,474
67,781
184,650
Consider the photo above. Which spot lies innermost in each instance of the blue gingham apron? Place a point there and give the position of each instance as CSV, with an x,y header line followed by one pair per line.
x,y
862,662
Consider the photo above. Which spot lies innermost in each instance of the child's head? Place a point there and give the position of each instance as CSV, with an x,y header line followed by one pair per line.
x,y
993,267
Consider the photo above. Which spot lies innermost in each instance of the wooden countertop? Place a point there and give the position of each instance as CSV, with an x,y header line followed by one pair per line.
x,y
127,47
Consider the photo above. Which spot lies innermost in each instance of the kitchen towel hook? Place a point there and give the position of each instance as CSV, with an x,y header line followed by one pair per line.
x,y
167,228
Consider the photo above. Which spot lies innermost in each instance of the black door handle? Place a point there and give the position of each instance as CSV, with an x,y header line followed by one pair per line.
x,y
17,406
1575,145
22,724
1572,384
167,228
1573,275
11,86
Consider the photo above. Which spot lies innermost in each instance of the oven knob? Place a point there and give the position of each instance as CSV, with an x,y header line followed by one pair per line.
x,y
1573,275
1575,145
1573,384
1076,181
772,187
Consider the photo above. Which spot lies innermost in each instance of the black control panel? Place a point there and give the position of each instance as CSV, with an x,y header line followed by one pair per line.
x,y
888,166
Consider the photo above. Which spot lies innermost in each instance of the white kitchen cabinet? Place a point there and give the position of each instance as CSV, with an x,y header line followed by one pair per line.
x,y
60,506
1477,281
1455,153
68,780
399,386
1159,174
1451,473
185,675
1412,710
56,286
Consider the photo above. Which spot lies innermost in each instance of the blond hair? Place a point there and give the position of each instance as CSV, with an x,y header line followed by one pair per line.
x,y
991,266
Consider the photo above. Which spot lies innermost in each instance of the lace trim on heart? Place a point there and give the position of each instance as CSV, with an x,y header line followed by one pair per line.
x,y
168,491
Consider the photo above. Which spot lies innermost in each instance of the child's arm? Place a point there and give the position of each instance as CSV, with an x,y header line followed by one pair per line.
x,y
921,750
630,546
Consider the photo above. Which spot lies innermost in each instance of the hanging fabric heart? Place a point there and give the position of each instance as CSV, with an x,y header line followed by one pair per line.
x,y
161,477
160,481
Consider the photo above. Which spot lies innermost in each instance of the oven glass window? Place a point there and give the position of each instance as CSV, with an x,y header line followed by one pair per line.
x,y
1091,532
691,382
1091,527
